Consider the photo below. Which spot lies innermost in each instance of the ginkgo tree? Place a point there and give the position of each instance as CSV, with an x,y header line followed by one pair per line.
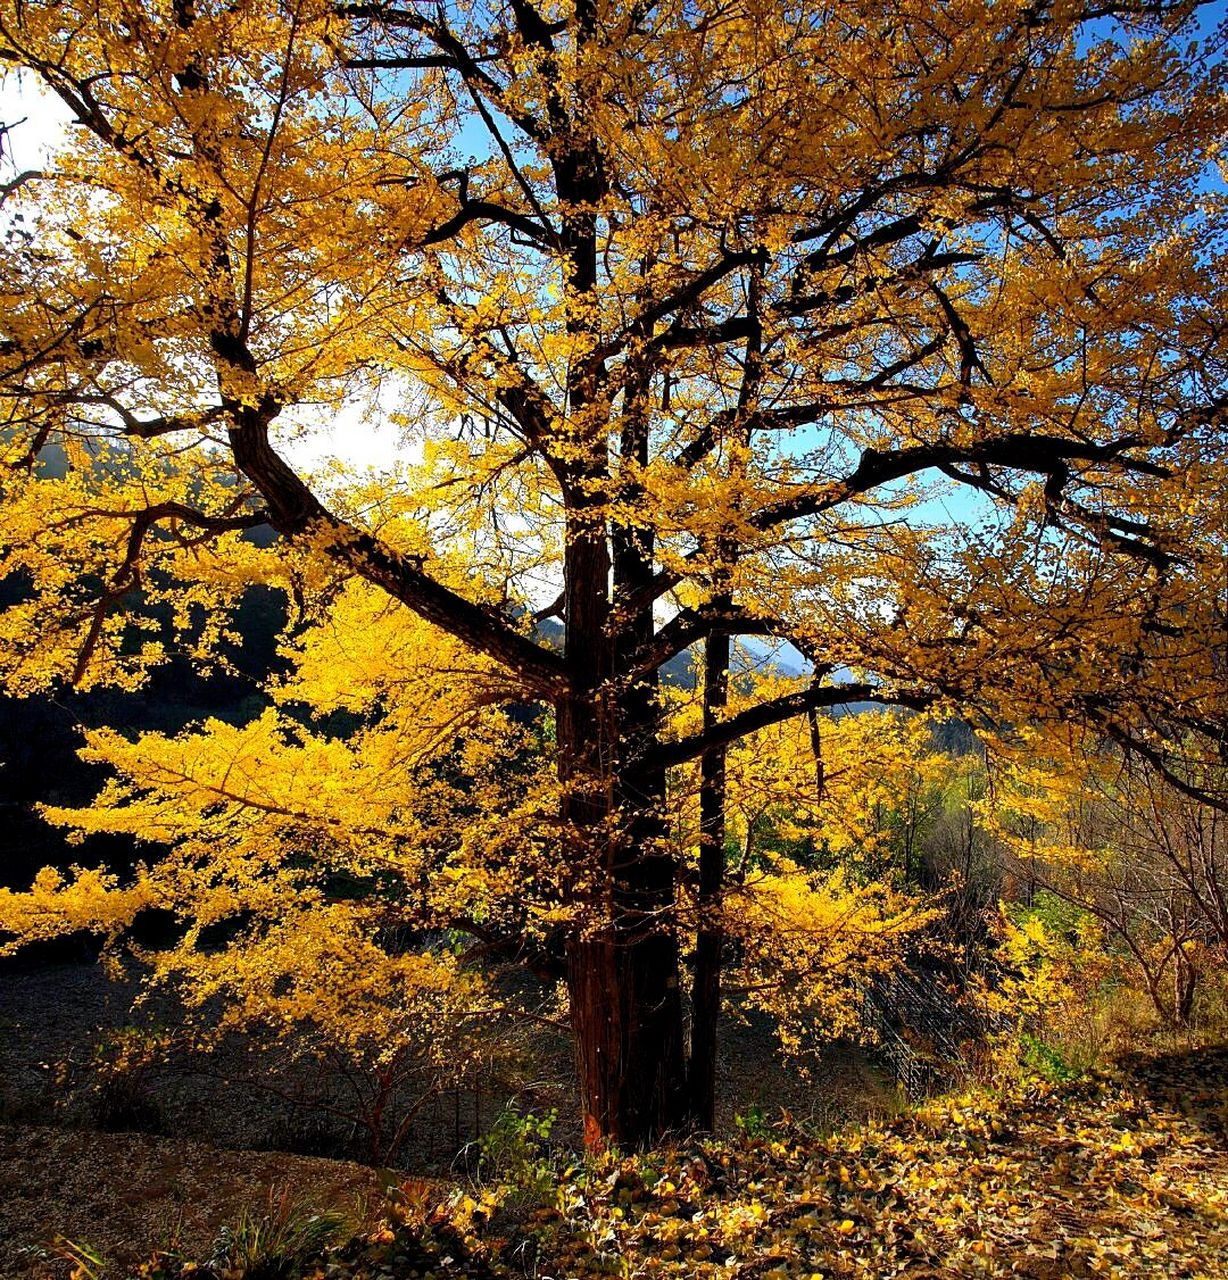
x,y
894,331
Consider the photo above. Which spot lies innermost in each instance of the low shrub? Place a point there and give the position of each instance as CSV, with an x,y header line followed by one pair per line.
x,y
278,1243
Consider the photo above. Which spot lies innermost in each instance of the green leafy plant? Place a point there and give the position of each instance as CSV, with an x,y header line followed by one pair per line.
x,y
752,1123
1047,1061
516,1152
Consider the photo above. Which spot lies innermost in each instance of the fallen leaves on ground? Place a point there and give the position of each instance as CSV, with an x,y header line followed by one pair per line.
x,y
1122,1174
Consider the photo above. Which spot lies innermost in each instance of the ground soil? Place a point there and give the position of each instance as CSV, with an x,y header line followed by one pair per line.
x,y
220,1132
126,1194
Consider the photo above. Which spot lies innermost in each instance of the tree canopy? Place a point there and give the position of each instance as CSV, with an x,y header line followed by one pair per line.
x,y
895,332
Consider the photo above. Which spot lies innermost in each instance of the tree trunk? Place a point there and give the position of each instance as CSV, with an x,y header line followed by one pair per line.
x,y
1185,985
623,966
710,938
622,959
627,1017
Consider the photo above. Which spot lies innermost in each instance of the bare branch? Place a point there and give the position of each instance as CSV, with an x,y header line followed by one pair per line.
x,y
786,707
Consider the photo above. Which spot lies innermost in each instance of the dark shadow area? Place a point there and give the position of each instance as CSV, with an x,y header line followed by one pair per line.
x,y
1193,1082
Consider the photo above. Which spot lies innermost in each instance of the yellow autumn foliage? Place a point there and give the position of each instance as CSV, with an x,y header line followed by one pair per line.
x,y
891,331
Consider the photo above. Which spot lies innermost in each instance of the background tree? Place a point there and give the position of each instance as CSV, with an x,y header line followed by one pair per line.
x,y
1146,860
688,313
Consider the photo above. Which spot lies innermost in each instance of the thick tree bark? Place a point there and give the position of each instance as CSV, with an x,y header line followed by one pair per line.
x,y
627,1018
623,963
